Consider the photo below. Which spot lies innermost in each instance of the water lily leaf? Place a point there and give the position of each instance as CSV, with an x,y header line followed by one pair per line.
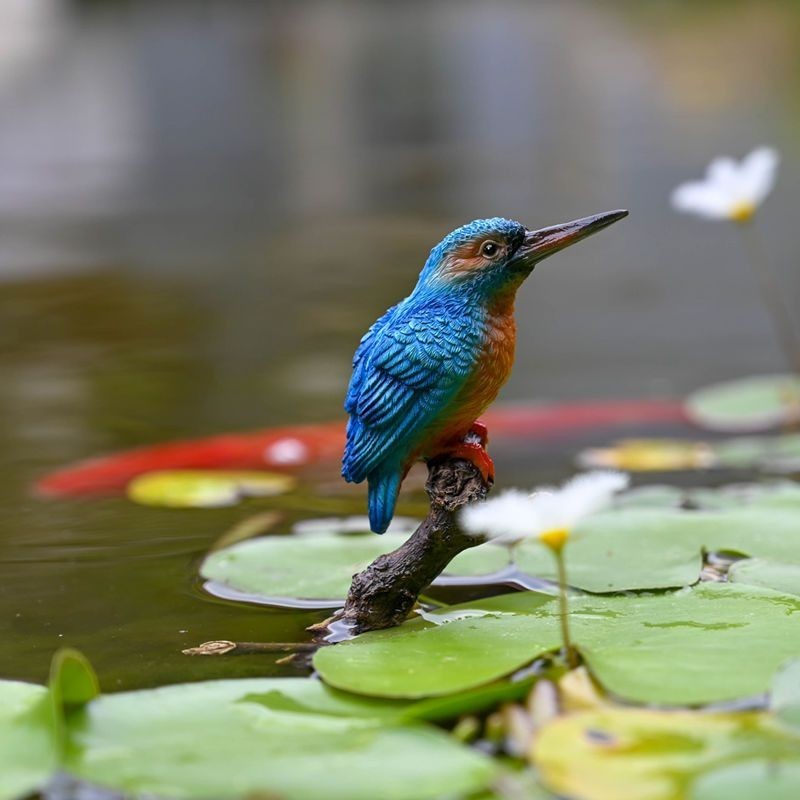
x,y
678,648
777,575
770,453
623,549
308,695
649,548
421,659
207,740
747,404
649,455
785,694
205,488
765,779
28,752
638,754
313,568
72,684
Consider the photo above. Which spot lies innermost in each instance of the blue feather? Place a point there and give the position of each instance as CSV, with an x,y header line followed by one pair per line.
x,y
410,365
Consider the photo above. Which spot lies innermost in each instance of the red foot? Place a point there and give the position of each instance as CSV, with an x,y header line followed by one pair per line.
x,y
474,453
479,431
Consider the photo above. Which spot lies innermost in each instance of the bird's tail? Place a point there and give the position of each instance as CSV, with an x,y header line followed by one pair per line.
x,y
383,490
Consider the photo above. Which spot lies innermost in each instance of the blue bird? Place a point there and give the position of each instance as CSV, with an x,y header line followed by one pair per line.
x,y
432,364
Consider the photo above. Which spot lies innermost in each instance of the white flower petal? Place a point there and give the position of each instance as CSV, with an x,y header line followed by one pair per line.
x,y
578,498
508,517
759,170
513,515
730,190
723,173
703,199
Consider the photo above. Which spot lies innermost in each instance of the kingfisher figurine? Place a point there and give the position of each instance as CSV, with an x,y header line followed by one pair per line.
x,y
432,364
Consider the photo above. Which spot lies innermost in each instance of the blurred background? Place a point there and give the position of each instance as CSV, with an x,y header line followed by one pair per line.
x,y
204,204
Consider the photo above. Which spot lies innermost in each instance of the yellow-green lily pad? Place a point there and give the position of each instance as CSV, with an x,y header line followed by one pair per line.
x,y
640,754
205,488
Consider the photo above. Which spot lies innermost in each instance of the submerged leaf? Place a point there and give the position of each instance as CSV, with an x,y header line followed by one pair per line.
x,y
205,488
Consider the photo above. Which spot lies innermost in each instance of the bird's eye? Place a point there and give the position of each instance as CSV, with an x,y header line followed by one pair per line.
x,y
490,249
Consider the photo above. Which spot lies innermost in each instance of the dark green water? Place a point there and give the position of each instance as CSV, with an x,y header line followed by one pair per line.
x,y
199,249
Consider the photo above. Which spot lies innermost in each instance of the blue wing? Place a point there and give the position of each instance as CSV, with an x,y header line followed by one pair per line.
x,y
408,367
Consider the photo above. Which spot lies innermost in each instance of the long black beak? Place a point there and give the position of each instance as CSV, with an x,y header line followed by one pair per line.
x,y
540,244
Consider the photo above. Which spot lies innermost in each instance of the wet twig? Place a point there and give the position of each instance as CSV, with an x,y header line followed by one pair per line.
x,y
223,647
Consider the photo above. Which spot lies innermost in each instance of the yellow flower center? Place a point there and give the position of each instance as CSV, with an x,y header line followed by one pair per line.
x,y
742,211
555,538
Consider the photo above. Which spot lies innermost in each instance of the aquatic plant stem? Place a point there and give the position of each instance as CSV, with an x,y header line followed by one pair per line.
x,y
772,295
563,607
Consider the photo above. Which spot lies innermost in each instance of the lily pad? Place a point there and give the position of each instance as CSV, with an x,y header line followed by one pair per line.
x,y
782,576
73,683
205,488
747,404
218,740
785,694
28,752
764,779
650,548
624,549
678,648
638,754
311,568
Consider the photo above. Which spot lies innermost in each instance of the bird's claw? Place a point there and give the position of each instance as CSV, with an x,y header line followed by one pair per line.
x,y
476,454
478,434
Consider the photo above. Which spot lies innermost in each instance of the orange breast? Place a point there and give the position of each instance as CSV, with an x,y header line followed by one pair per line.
x,y
491,371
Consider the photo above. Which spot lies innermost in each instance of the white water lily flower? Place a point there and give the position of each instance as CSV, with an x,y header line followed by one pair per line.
x,y
730,190
549,514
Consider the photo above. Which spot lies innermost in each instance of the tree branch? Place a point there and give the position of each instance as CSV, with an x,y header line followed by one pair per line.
x,y
384,593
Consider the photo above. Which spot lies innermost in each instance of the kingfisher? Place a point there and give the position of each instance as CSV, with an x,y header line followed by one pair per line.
x,y
431,365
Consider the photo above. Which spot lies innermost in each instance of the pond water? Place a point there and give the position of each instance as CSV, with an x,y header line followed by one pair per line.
x,y
201,212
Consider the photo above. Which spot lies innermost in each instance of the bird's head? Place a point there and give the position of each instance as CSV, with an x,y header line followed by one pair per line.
x,y
488,255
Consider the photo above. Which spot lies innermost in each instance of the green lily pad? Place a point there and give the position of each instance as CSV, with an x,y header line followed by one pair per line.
x,y
28,751
785,694
73,683
678,648
648,548
219,740
763,779
311,568
644,545
748,404
205,488
778,575
638,754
